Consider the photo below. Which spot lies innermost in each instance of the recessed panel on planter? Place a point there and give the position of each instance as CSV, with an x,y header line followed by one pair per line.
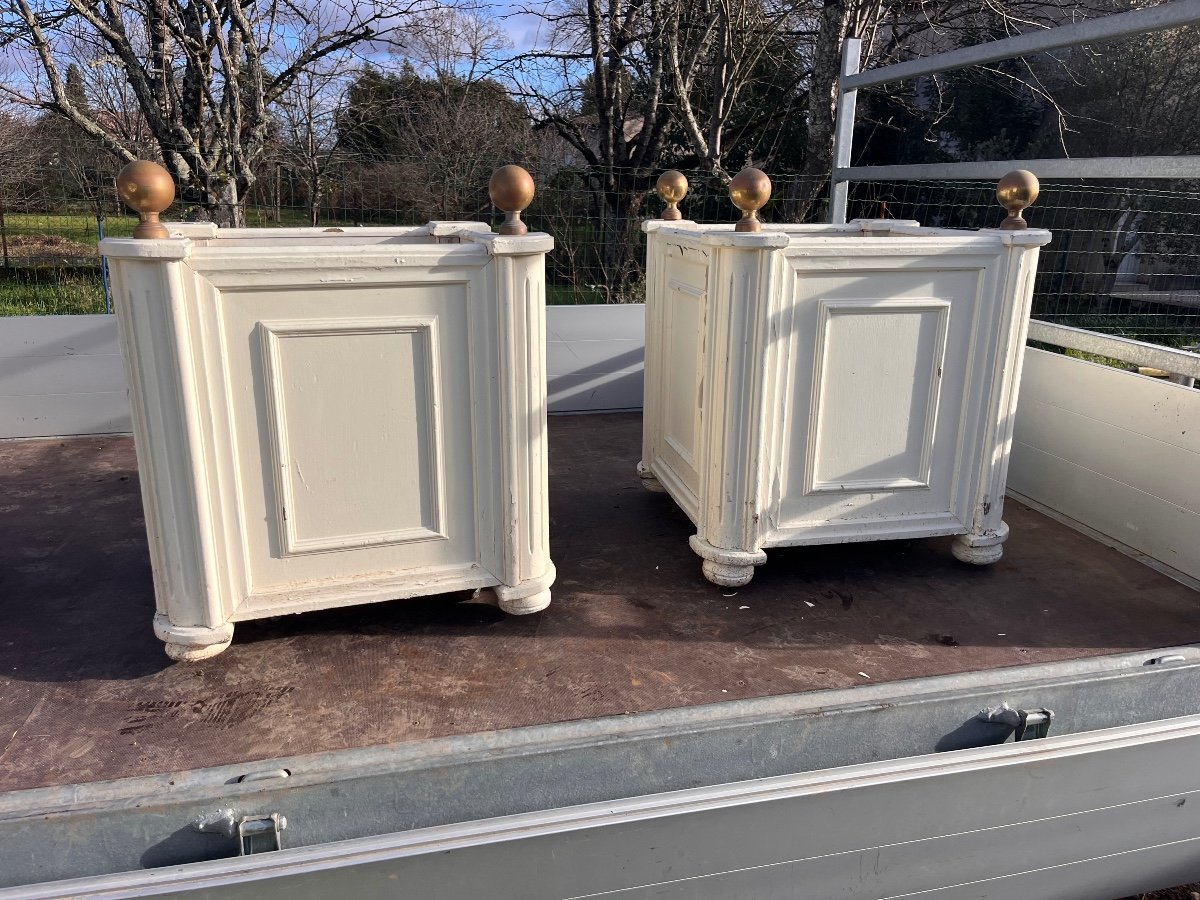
x,y
685,311
878,375
351,379
356,432
879,388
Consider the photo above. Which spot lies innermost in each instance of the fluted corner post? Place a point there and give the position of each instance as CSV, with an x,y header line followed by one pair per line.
x,y
983,544
652,381
525,569
672,187
152,297
745,277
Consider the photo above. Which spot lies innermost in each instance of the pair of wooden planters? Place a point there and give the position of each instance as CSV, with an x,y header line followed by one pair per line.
x,y
331,417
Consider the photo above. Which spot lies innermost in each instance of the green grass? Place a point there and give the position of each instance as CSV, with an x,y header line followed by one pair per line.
x,y
51,266
288,217
79,229
569,295
1096,358
47,291
45,250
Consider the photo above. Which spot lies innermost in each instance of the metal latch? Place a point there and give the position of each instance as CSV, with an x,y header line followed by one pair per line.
x,y
261,834
1027,724
254,834
1033,723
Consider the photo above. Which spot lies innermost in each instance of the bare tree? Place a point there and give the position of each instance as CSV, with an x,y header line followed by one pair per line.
x,y
18,166
837,20
625,80
604,86
723,50
204,73
434,129
467,125
1134,97
1129,98
311,141
447,44
18,161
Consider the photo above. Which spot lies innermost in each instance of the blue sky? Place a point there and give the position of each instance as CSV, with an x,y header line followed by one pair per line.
x,y
526,31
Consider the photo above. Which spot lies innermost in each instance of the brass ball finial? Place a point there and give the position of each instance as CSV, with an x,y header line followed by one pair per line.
x,y
511,190
146,188
1015,192
672,186
750,190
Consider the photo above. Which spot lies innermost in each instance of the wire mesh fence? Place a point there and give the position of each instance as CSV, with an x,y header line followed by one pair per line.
x,y
1125,258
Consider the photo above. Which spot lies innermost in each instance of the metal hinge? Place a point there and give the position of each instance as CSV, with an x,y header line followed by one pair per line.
x,y
1033,723
1027,724
260,834
254,834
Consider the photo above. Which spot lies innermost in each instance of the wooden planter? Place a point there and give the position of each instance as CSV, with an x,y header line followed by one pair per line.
x,y
826,384
326,418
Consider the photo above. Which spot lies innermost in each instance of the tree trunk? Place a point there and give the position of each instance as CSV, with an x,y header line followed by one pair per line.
x,y
225,207
314,202
822,103
620,218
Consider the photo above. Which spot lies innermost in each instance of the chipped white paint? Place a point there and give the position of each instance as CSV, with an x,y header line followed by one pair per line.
x,y
321,420
825,384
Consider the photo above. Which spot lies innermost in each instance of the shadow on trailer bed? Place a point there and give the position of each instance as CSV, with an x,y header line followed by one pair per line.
x,y
86,693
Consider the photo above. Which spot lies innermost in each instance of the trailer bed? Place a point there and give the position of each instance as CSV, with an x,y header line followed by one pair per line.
x,y
86,693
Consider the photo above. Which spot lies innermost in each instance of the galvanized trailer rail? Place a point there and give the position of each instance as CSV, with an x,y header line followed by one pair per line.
x,y
332,724
841,791
1177,14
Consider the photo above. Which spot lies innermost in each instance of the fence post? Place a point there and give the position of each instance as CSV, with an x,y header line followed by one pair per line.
x,y
3,234
103,263
843,131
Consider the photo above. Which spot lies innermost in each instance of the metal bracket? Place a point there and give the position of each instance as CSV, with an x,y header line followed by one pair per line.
x,y
260,834
254,834
1033,724
1027,724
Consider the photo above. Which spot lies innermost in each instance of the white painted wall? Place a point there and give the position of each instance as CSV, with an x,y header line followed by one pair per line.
x,y
1114,451
594,357
62,375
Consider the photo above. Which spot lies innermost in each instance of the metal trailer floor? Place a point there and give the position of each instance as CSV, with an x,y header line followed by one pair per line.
x,y
87,694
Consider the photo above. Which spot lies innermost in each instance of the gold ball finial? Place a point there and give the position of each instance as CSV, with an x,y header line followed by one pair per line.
x,y
750,190
672,186
1016,191
511,190
146,188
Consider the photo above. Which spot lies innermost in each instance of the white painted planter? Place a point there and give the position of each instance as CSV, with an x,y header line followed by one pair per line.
x,y
326,418
825,384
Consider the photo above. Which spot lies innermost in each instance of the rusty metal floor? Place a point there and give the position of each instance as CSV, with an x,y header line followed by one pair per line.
x,y
86,692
